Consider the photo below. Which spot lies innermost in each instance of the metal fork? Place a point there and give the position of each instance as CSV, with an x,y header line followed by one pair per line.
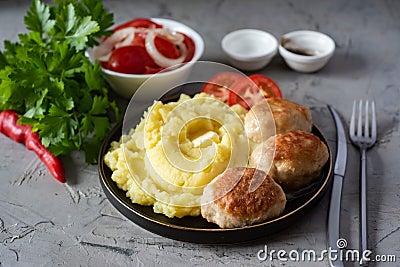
x,y
364,138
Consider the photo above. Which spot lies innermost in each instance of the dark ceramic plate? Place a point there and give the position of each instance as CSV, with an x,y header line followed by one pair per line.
x,y
197,229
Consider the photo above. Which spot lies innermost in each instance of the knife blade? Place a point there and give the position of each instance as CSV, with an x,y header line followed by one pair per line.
x,y
336,195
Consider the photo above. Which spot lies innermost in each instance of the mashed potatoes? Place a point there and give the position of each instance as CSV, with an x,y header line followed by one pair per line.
x,y
176,150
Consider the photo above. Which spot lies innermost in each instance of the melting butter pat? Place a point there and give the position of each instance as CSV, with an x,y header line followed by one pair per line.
x,y
206,139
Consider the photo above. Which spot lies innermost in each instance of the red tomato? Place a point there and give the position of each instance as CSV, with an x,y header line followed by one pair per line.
x,y
190,46
140,39
219,85
268,87
130,59
166,48
103,64
139,23
249,90
152,70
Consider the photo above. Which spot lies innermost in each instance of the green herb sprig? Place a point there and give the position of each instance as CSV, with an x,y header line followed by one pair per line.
x,y
47,78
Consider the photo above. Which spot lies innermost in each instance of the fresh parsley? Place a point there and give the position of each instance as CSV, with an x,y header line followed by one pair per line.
x,y
47,78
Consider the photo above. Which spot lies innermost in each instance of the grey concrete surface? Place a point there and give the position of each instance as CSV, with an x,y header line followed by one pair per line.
x,y
45,223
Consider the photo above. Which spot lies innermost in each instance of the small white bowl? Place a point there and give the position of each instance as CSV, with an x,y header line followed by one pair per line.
x,y
127,84
306,51
249,49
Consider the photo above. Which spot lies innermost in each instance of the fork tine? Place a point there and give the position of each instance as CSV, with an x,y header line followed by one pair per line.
x,y
353,119
373,126
366,126
359,128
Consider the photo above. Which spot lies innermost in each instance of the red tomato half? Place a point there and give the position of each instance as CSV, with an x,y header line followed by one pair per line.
x,y
249,90
130,59
218,85
139,23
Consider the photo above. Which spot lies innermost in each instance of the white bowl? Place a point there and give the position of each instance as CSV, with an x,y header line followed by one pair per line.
x,y
249,49
306,51
127,84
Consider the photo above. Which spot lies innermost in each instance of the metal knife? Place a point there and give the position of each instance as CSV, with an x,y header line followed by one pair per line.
x,y
339,171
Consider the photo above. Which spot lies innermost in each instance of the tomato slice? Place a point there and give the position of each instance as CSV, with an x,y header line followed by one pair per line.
x,y
152,70
268,87
130,59
140,39
219,85
249,90
190,46
166,48
139,23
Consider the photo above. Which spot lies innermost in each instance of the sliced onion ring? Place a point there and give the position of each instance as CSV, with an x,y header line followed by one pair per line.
x,y
172,36
127,41
158,58
123,36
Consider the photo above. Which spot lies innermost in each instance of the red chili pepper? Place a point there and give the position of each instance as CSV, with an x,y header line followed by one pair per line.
x,y
23,134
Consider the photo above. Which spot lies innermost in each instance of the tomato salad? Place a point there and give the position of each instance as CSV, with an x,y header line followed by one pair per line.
x,y
143,46
233,88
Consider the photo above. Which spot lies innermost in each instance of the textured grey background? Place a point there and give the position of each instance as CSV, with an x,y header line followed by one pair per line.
x,y
44,223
